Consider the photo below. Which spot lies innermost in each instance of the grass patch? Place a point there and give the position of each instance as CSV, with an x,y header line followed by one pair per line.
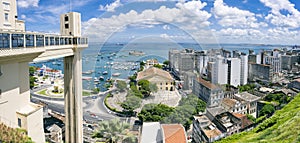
x,y
86,93
43,92
283,126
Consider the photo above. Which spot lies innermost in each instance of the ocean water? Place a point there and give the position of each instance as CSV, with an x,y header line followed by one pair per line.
x,y
114,58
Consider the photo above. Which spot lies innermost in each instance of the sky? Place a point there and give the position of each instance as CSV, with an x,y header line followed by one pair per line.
x,y
203,21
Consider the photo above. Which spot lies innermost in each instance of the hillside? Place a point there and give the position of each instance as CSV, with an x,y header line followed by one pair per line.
x,y
283,126
10,135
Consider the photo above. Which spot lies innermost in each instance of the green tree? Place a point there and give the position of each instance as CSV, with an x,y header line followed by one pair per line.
x,y
121,85
113,130
144,86
167,63
131,103
267,109
31,81
32,69
96,90
153,87
158,66
155,112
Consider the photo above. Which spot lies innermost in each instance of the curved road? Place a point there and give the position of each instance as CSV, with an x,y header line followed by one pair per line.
x,y
91,111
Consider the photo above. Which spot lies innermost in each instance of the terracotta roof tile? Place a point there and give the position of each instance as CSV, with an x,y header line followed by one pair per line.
x,y
174,133
207,83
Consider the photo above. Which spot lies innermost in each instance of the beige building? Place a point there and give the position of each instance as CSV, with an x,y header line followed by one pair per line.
x,y
9,17
162,79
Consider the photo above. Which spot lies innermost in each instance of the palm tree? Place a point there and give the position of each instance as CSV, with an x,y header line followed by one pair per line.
x,y
112,130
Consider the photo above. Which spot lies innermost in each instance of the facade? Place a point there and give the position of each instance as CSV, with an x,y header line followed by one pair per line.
x,y
287,61
208,92
151,63
260,72
234,71
181,61
244,69
44,70
218,70
227,123
250,101
162,79
233,105
205,131
55,134
70,24
9,16
201,62
188,78
295,84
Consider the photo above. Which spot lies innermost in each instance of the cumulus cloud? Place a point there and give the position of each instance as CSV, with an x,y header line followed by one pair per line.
x,y
28,3
234,17
291,20
111,7
189,12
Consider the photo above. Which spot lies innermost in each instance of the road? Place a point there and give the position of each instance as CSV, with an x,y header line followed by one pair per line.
x,y
94,109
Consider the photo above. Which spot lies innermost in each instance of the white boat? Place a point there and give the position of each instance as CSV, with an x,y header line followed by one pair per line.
x,y
105,73
96,80
86,78
116,74
101,78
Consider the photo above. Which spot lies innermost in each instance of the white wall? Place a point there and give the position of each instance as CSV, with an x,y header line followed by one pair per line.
x,y
35,126
12,12
244,69
235,71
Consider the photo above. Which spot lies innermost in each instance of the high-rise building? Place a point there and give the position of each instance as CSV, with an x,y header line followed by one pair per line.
x,y
234,71
244,69
218,70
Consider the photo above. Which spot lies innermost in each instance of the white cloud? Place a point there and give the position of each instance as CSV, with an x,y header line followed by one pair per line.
x,y
28,3
234,17
290,20
189,12
166,27
23,16
111,7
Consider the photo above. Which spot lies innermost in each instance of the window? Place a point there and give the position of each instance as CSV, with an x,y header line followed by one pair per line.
x,y
66,26
6,16
66,18
6,6
19,122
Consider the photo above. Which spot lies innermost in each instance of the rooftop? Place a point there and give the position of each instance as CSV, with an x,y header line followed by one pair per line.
x,y
28,109
247,96
207,84
229,102
215,110
153,71
151,133
245,121
207,126
174,133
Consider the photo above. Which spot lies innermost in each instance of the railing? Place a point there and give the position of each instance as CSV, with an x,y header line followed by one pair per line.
x,y
14,40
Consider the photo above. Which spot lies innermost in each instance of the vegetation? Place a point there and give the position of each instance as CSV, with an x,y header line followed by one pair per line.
x,y
121,85
154,112
113,131
131,103
158,66
166,63
96,90
31,81
283,126
10,135
246,87
43,92
86,93
108,106
146,87
268,109
183,113
32,69
278,97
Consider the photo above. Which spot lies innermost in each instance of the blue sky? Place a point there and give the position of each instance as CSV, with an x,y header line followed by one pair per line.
x,y
204,21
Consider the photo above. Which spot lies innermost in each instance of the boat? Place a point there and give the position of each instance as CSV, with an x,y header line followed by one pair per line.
x,y
116,74
101,78
136,53
96,80
105,73
86,78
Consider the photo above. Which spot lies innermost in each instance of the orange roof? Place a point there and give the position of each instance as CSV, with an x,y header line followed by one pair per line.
x,y
153,71
207,83
212,133
245,121
174,133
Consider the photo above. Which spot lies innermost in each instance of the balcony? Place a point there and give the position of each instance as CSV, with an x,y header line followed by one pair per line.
x,y
43,46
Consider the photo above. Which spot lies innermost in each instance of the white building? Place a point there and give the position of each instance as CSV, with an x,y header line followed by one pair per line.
x,y
218,70
244,69
234,71
9,17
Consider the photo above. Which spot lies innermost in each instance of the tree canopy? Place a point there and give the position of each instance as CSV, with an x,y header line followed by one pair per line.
x,y
267,109
154,112
121,85
131,103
